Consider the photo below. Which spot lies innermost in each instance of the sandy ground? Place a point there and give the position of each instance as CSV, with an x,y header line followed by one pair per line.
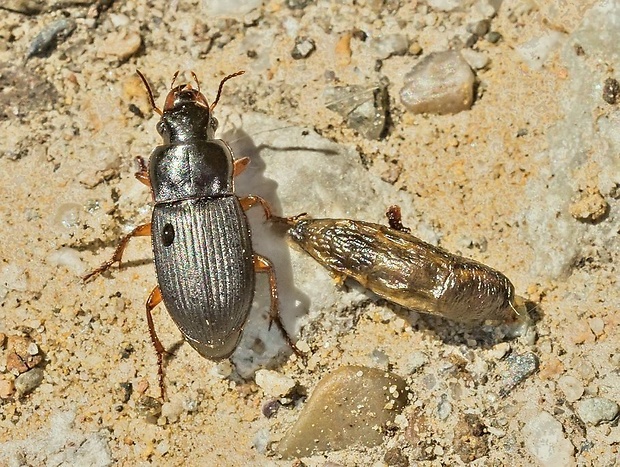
x,y
526,181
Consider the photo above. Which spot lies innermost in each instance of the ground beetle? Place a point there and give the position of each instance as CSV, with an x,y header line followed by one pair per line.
x,y
200,234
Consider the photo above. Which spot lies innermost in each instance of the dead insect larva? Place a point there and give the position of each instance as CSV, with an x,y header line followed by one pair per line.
x,y
405,270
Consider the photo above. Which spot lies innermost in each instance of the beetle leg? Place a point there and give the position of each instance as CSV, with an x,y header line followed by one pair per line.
x,y
395,220
154,300
262,264
239,165
250,201
140,231
143,172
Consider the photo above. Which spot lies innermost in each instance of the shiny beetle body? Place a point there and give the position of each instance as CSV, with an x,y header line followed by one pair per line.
x,y
200,234
405,270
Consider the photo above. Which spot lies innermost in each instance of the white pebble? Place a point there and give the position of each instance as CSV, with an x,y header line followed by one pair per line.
x,y
415,361
273,383
571,387
476,60
597,325
68,258
545,441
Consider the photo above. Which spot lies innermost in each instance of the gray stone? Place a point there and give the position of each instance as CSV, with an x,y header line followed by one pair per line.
x,y
442,83
29,381
350,406
519,367
597,410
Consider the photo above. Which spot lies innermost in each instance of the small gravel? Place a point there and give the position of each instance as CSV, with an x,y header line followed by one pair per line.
x,y
29,381
442,83
597,410
274,384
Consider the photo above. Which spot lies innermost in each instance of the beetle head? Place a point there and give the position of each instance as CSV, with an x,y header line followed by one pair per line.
x,y
183,95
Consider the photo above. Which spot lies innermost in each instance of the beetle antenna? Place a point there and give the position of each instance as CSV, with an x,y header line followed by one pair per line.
x,y
149,92
174,78
219,91
196,80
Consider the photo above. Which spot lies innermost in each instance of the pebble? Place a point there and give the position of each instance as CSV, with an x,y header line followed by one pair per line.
x,y
380,359
470,438
441,83
493,37
348,407
390,44
48,39
20,358
274,384
518,368
479,28
444,5
172,409
414,361
68,258
545,441
611,91
444,409
596,410
27,7
597,326
304,46
271,407
420,435
7,388
571,387
149,408
122,45
537,50
364,108
394,457
476,60
29,381
591,207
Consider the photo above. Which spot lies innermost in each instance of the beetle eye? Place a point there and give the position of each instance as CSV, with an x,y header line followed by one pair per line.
x,y
167,235
214,123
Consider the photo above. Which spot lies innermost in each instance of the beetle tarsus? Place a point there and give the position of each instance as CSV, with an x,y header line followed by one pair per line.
x,y
262,264
154,300
250,201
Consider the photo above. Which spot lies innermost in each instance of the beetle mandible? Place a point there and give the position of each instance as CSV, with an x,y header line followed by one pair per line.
x,y
200,234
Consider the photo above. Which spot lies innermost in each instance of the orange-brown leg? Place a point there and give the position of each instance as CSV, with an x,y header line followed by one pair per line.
x,y
140,231
154,300
240,165
262,264
252,200
143,172
395,219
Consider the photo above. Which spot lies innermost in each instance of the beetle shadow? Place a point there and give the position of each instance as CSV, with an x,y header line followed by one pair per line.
x,y
261,346
481,334
477,334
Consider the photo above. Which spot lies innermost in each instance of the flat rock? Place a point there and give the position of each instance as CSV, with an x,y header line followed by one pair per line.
x,y
350,406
